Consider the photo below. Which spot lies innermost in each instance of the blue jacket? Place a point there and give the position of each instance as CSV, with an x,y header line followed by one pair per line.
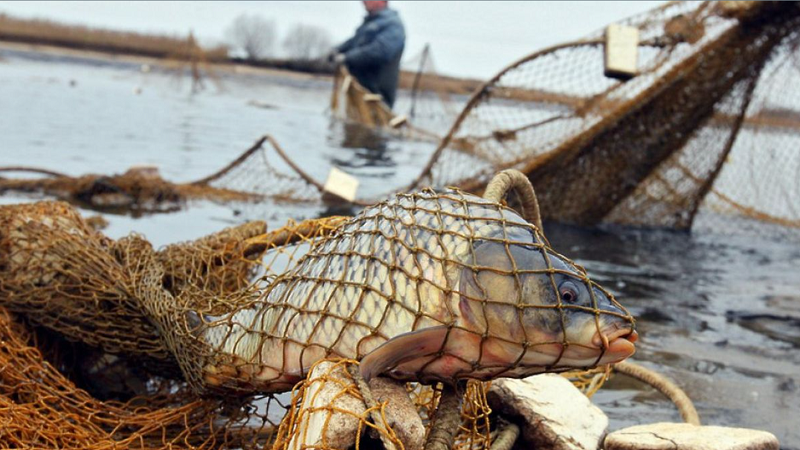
x,y
373,54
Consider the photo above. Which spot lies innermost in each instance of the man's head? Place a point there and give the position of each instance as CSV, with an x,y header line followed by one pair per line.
x,y
374,6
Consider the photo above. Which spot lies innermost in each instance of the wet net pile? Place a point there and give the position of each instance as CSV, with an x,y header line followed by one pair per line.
x,y
83,366
708,125
111,343
426,103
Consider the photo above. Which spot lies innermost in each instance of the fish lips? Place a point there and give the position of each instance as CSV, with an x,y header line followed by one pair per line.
x,y
617,345
608,346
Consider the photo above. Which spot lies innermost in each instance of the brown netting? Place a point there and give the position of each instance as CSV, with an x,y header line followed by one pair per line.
x,y
41,408
706,130
426,265
262,172
168,328
71,282
707,126
353,102
424,108
430,101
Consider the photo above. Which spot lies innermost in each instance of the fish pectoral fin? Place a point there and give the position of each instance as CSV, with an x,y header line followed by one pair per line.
x,y
407,346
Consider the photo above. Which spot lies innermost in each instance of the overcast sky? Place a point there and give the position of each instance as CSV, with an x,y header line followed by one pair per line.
x,y
467,38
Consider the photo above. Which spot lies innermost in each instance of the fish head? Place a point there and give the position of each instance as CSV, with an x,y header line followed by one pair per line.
x,y
536,311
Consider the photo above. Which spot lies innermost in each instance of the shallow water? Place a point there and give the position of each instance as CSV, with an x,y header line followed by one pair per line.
x,y
719,314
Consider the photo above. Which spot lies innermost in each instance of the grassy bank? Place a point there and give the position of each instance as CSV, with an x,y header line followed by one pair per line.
x,y
45,32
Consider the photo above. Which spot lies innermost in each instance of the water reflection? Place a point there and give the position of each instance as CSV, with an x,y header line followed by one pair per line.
x,y
360,146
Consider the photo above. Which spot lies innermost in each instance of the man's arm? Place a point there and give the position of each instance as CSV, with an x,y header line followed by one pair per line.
x,y
385,46
346,45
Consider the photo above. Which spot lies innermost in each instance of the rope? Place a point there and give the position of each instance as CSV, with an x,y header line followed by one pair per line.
x,y
34,170
512,180
665,386
506,436
446,421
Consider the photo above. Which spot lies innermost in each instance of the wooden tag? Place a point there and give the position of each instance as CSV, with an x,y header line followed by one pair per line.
x,y
341,185
621,51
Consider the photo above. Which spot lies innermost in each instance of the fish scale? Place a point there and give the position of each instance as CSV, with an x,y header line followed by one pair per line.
x,y
392,270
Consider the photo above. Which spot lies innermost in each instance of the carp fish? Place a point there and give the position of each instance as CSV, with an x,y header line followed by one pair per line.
x,y
430,286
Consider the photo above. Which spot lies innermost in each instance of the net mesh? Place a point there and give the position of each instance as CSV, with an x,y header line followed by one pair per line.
x,y
430,99
261,173
707,130
116,344
427,265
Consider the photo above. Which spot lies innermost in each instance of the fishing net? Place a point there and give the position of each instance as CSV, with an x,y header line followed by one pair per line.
x,y
167,335
429,99
707,127
703,136
353,102
425,106
82,364
705,131
426,264
262,172
42,408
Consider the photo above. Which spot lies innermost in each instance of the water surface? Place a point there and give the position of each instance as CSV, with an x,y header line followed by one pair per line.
x,y
718,314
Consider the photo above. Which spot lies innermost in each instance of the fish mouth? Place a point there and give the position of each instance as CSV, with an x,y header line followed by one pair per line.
x,y
616,344
610,345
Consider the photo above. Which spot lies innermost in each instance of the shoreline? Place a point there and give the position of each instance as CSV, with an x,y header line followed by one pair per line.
x,y
126,58
290,69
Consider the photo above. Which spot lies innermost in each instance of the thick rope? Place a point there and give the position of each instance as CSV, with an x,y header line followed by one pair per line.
x,y
506,436
512,180
663,385
446,420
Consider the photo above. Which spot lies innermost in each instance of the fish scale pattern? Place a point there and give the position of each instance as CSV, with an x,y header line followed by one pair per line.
x,y
175,342
397,268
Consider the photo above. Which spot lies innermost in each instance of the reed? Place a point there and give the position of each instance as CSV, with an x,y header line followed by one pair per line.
x,y
45,32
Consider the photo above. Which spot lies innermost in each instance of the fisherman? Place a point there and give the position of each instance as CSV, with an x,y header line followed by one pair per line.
x,y
373,55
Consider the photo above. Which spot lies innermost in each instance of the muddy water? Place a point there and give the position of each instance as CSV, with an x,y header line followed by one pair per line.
x,y
719,314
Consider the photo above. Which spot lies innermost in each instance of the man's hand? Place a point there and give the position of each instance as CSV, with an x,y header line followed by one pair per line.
x,y
335,57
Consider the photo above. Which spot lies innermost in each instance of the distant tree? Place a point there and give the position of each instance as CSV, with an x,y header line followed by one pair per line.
x,y
307,42
253,35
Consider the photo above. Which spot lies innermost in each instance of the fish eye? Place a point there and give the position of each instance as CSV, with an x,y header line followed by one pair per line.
x,y
568,291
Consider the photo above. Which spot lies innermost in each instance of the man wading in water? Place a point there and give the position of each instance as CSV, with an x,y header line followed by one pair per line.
x,y
373,55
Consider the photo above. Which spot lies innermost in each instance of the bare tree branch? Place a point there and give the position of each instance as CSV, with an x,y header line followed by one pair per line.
x,y
253,35
307,42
